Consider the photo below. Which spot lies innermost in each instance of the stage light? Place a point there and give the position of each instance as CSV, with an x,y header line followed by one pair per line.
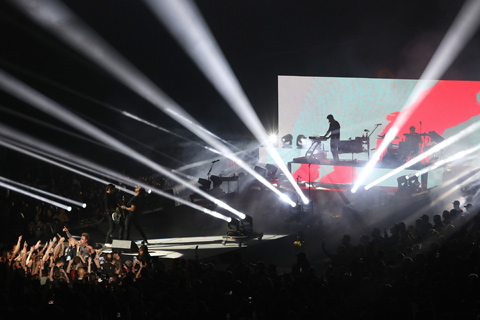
x,y
473,128
462,28
216,180
402,181
261,171
287,140
271,169
301,139
80,204
56,163
206,184
185,22
100,170
35,196
36,99
273,138
57,18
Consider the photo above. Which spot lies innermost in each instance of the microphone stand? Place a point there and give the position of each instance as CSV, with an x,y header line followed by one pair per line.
x,y
368,140
211,167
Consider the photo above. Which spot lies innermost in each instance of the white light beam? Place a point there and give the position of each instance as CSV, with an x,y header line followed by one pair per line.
x,y
57,18
185,22
35,196
462,29
79,204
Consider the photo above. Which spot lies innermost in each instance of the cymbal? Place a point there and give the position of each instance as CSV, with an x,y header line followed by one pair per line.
x,y
382,136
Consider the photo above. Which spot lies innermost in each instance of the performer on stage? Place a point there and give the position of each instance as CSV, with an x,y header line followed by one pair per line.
x,y
111,212
134,209
334,130
411,146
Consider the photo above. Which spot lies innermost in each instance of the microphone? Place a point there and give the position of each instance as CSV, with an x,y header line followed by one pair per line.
x,y
215,161
378,124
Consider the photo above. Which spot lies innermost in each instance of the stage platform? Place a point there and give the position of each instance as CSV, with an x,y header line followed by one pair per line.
x,y
191,247
318,160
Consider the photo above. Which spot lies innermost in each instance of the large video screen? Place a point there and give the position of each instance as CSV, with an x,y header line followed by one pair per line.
x,y
368,107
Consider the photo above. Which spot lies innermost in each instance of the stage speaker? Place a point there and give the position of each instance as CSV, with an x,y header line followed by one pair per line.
x,y
124,246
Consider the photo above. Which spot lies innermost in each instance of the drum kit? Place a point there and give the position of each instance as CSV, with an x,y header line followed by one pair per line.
x,y
413,145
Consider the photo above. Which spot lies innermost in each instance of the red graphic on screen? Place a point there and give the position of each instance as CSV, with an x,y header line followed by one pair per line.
x,y
304,172
340,174
448,104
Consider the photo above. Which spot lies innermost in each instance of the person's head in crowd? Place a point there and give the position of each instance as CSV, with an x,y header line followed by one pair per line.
x,y
109,257
456,205
60,262
116,256
77,261
446,215
128,265
81,273
110,188
84,239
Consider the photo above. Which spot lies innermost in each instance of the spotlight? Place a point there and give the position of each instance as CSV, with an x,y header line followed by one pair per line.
x,y
402,181
205,184
300,141
84,205
271,169
413,180
261,171
287,140
272,138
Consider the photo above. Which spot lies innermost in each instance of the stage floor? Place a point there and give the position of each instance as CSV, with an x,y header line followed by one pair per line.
x,y
174,248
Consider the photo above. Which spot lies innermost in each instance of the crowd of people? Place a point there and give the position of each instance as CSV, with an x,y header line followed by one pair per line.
x,y
428,270
35,219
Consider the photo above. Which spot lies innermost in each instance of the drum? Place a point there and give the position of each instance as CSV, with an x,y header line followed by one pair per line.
x,y
392,155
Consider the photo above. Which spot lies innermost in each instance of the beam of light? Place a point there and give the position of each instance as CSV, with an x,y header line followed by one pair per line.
x,y
128,137
458,182
59,20
204,162
31,146
36,99
445,143
67,132
52,195
50,126
184,21
462,29
105,172
35,196
153,125
56,163
457,156
106,105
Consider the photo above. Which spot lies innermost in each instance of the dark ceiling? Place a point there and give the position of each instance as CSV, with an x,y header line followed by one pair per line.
x,y
260,39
